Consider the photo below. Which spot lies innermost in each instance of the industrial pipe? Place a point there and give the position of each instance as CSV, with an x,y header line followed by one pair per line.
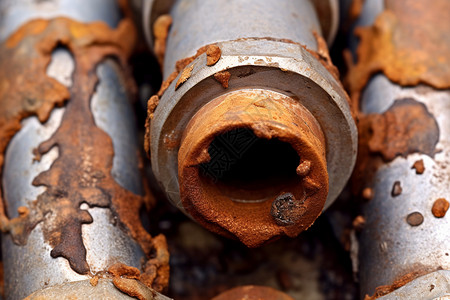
x,y
251,133
401,82
71,182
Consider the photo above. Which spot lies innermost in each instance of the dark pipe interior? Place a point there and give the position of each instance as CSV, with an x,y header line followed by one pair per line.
x,y
246,167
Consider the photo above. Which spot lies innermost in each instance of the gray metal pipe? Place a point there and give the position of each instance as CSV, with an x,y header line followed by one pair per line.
x,y
266,49
30,268
403,239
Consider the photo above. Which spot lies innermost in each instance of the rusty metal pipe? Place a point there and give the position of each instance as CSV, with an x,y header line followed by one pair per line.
x,y
252,84
402,169
36,259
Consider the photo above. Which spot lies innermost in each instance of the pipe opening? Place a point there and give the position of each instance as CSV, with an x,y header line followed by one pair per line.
x,y
250,169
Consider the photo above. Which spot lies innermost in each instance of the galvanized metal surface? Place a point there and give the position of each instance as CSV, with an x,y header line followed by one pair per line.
x,y
277,66
31,267
328,17
197,23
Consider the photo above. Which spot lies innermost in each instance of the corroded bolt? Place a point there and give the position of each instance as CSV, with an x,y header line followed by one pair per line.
x,y
252,166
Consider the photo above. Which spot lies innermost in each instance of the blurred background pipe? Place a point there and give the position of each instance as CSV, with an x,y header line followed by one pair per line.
x,y
404,247
244,174
30,268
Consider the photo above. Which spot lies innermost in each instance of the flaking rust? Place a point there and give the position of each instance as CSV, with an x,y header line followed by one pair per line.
x,y
84,149
406,127
408,43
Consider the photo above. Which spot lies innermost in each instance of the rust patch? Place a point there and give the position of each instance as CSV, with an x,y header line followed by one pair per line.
x,y
358,223
223,78
386,289
251,292
406,127
160,32
396,189
84,149
185,75
440,207
268,116
419,167
213,54
94,280
408,43
367,193
414,219
133,288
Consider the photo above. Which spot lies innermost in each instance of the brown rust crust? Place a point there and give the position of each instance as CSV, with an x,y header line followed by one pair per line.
x,y
269,116
406,127
223,78
408,43
82,172
251,292
440,207
160,32
386,289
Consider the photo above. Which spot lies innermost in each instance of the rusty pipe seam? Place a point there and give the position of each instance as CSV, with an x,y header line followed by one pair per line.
x,y
30,268
404,249
271,61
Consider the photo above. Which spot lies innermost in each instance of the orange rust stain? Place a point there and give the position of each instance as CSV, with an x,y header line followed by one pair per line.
x,y
94,280
85,149
252,223
440,207
419,167
223,78
251,292
406,127
386,289
185,75
160,32
408,43
213,54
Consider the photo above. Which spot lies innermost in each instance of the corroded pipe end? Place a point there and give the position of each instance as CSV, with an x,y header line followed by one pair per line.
x,y
252,166
251,292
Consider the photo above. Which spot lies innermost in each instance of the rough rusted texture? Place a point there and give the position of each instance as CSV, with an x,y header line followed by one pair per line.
x,y
160,32
414,219
213,54
386,289
82,172
127,280
408,43
406,127
185,75
223,78
268,116
419,167
440,207
396,189
252,292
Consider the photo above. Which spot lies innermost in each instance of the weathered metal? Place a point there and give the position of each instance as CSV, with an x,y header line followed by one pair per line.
x,y
215,49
